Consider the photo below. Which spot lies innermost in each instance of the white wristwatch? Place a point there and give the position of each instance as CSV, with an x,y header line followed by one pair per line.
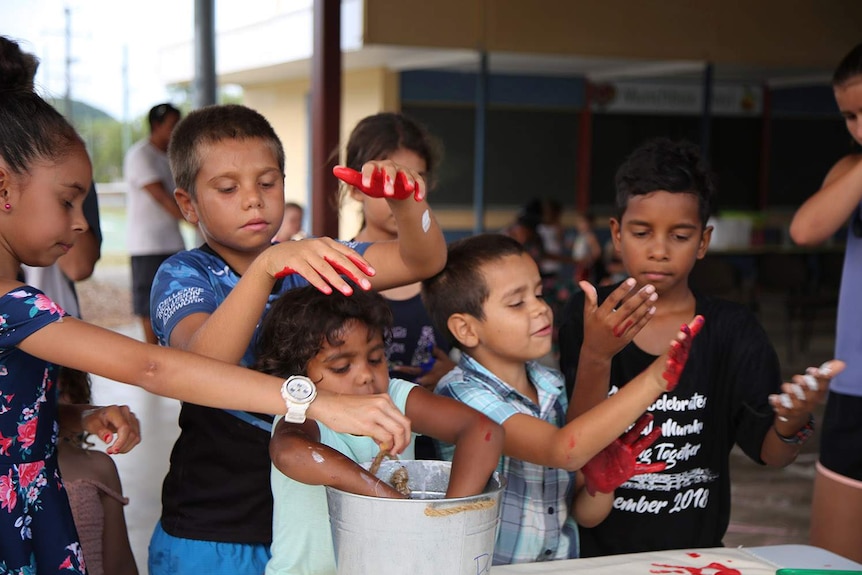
x,y
298,392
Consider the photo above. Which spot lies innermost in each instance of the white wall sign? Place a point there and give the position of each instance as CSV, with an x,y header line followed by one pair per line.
x,y
646,98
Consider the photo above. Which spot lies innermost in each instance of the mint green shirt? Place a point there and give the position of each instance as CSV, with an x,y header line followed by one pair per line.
x,y
301,537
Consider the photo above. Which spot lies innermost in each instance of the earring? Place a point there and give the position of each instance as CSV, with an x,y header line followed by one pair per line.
x,y
8,206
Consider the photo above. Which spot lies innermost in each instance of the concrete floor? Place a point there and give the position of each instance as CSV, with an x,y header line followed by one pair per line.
x,y
769,506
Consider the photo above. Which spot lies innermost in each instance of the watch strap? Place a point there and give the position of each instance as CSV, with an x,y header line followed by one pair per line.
x,y
296,412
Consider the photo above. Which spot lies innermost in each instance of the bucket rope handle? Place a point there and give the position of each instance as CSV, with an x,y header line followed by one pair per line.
x,y
440,511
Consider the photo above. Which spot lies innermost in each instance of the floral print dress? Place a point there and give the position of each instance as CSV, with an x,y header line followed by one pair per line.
x,y
37,533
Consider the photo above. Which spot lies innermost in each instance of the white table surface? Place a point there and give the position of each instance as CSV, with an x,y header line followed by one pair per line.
x,y
720,561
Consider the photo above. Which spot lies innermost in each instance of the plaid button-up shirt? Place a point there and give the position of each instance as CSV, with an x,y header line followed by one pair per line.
x,y
535,522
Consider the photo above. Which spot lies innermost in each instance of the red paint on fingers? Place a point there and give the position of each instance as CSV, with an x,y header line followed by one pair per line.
x,y
362,264
342,270
403,188
678,353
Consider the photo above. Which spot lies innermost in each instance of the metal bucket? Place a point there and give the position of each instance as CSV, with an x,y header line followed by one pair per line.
x,y
425,534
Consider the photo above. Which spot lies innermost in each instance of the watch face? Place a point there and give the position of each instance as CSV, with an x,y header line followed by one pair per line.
x,y
300,388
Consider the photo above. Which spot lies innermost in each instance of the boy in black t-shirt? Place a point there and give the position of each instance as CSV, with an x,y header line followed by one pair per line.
x,y
730,390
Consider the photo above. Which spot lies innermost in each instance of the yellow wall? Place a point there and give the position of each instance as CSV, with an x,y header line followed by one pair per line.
x,y
764,32
285,105
365,92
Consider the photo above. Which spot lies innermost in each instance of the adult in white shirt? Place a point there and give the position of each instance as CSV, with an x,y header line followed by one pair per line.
x,y
152,215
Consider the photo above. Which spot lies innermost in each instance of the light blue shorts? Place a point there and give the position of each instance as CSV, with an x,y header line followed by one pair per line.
x,y
171,555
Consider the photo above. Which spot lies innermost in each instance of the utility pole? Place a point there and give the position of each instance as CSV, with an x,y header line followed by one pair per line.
x,y
127,128
67,100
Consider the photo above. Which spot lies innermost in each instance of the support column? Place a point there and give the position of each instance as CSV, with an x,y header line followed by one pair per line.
x,y
765,148
325,115
706,112
585,151
204,87
479,136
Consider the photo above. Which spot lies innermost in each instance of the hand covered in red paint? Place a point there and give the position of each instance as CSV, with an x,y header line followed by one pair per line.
x,y
609,327
617,462
321,261
677,355
383,179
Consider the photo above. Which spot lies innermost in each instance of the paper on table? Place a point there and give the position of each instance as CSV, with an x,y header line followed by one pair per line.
x,y
712,561
803,557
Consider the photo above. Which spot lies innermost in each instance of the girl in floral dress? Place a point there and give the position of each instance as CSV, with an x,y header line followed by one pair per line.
x,y
45,174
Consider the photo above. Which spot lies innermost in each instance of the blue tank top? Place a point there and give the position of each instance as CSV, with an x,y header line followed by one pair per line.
x,y
848,338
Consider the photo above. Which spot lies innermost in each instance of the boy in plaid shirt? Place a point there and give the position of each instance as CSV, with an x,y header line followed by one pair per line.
x,y
488,300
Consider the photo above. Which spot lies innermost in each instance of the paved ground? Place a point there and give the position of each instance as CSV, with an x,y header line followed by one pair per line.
x,y
769,506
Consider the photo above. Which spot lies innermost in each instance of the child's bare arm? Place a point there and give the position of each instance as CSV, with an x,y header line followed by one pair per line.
x,y
204,381
589,510
608,328
478,440
296,451
318,260
825,212
531,439
420,250
117,554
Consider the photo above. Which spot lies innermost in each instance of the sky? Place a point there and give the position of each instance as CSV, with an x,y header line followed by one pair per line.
x,y
101,30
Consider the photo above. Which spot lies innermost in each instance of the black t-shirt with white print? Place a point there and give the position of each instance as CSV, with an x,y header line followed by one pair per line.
x,y
721,399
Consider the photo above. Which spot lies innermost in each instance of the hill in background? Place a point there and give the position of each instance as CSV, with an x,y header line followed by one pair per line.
x,y
81,111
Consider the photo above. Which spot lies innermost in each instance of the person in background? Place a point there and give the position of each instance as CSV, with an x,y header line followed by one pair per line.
x,y
554,264
417,352
94,488
836,507
337,341
489,299
613,271
291,224
586,250
730,392
550,231
152,215
525,229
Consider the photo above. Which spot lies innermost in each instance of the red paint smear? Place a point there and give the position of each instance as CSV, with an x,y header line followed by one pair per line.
x,y
694,554
488,436
571,442
286,271
620,330
716,569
